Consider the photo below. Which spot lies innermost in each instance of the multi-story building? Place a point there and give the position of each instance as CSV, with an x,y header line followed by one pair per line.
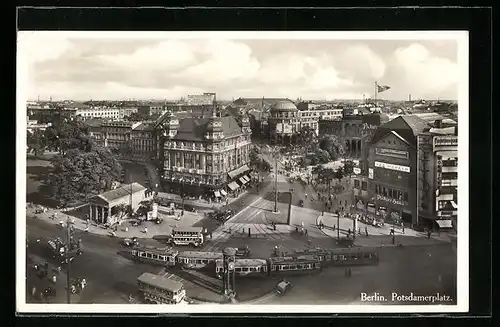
x,y
46,114
438,176
392,170
310,114
127,111
205,99
150,109
95,130
99,112
204,156
284,122
143,142
116,134
354,131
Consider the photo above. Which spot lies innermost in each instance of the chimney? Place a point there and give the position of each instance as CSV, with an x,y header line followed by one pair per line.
x,y
438,123
409,97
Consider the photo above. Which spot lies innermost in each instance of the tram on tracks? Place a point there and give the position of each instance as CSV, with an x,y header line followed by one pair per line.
x,y
157,289
358,256
197,259
245,268
160,256
294,264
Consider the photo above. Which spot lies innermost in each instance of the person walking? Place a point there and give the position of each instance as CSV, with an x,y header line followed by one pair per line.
x,y
366,231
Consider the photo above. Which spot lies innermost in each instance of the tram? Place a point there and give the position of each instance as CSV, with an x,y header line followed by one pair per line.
x,y
159,256
294,264
245,268
197,259
157,289
342,257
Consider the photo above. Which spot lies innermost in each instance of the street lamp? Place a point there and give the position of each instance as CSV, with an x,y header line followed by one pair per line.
x,y
276,186
68,255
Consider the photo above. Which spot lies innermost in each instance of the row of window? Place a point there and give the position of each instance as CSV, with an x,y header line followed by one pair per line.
x,y
388,174
391,193
156,256
246,269
296,266
196,261
153,289
186,233
363,184
450,175
450,163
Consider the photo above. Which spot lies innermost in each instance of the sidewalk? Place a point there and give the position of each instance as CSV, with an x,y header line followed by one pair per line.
x,y
165,228
379,236
202,203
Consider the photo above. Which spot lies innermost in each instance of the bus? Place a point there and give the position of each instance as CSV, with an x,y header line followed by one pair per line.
x,y
159,256
244,268
188,236
157,289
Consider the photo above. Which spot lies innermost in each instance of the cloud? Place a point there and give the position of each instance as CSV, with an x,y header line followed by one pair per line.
x,y
421,72
39,48
233,68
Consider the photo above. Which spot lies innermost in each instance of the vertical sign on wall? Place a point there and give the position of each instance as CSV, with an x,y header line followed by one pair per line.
x,y
370,173
439,171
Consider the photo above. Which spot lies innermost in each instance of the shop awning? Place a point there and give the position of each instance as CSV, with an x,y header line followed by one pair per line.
x,y
243,181
246,178
233,186
224,193
447,154
444,223
360,205
238,171
217,194
454,205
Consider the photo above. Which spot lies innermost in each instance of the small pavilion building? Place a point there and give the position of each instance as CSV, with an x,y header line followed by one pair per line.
x,y
101,206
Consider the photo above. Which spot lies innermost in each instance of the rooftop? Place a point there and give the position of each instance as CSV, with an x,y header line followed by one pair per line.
x,y
122,191
160,282
200,254
193,129
406,126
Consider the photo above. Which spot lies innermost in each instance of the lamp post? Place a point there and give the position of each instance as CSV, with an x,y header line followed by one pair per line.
x,y
69,254
276,186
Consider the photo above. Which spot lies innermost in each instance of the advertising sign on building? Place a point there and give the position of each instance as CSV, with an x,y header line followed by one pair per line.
x,y
200,99
445,142
385,165
439,171
370,173
284,128
356,170
390,200
392,153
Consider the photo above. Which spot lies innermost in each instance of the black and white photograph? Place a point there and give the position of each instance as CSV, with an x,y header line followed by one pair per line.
x,y
242,172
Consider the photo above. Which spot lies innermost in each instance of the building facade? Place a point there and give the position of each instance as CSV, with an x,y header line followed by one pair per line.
x,y
143,142
392,170
146,110
116,134
127,111
204,156
438,177
99,112
284,122
102,207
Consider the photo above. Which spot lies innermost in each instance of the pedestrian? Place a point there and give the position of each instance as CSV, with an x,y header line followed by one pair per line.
x,y
33,291
54,279
349,232
429,233
210,235
334,226
366,231
145,230
359,230
274,226
305,231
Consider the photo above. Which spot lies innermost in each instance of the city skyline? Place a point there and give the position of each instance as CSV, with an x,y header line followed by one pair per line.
x,y
64,67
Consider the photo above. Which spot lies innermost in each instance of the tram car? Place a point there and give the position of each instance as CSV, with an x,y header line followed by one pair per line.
x,y
294,264
159,256
197,259
245,268
343,257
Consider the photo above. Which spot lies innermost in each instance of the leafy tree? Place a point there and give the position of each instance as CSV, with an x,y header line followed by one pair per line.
x,y
339,173
36,142
78,175
332,145
307,139
144,207
68,135
125,150
122,210
348,167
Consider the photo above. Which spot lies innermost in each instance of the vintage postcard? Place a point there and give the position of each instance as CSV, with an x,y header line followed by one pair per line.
x,y
242,172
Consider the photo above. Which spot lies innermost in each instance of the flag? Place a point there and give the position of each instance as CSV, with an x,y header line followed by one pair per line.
x,y
382,88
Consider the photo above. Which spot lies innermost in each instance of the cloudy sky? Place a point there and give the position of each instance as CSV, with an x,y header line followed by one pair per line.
x,y
142,68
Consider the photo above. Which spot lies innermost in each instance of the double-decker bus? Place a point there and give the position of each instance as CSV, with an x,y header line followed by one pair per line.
x,y
188,236
160,256
157,289
244,268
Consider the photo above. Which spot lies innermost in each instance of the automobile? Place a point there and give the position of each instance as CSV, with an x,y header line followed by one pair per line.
x,y
49,291
158,221
136,223
243,252
301,203
283,287
187,207
129,242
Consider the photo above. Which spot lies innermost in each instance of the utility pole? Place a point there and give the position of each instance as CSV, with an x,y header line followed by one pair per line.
x,y
276,186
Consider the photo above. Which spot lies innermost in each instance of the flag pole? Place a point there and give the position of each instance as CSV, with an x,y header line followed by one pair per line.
x,y
376,91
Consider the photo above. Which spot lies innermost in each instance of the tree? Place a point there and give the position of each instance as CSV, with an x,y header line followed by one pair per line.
x,y
339,173
144,207
36,142
68,135
122,210
307,139
348,167
125,150
78,175
332,145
